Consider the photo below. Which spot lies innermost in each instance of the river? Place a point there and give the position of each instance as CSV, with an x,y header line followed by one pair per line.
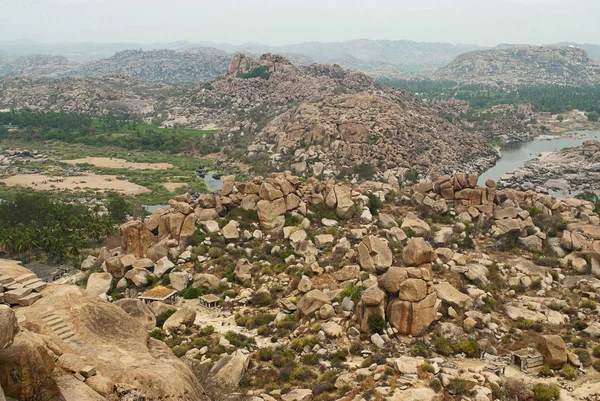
x,y
516,154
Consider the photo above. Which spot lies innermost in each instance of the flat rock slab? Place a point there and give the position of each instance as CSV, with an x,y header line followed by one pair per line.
x,y
12,297
29,299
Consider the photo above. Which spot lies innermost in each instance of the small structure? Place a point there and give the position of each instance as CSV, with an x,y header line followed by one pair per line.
x,y
495,368
159,293
526,358
209,300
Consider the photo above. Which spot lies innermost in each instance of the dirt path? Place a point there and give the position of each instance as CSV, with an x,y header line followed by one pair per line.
x,y
86,181
109,162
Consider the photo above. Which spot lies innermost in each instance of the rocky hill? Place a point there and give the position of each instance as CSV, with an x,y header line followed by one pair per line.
x,y
300,115
37,66
167,66
529,65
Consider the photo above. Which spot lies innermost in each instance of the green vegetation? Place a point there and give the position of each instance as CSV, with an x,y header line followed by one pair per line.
x,y
568,372
110,130
377,323
32,223
162,317
593,116
258,72
544,98
591,197
546,392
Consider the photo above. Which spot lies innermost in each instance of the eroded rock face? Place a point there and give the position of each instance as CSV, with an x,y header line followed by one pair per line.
x,y
139,311
554,350
312,301
115,344
412,317
136,239
8,326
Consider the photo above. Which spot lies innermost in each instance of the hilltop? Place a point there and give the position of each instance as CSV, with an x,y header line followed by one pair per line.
x,y
528,65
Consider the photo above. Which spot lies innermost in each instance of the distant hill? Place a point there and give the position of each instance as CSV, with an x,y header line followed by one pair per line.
x,y
527,65
169,66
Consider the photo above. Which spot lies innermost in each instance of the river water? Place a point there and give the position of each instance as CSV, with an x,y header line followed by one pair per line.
x,y
515,155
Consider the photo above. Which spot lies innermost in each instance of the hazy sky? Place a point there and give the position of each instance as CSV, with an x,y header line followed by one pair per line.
x,y
485,22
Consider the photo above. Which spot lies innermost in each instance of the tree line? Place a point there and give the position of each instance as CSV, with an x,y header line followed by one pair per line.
x,y
545,98
122,131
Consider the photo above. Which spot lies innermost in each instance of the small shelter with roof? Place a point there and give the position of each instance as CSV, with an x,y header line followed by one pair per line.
x,y
526,358
159,293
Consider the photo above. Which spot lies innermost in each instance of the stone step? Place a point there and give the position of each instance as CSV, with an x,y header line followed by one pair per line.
x,y
12,297
25,277
37,286
6,279
66,335
62,330
55,325
31,281
14,286
29,299
50,317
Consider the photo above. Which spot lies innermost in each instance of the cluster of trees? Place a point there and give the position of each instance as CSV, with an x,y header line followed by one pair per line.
x,y
110,130
545,98
33,224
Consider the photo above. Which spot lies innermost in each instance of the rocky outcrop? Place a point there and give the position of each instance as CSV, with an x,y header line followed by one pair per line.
x,y
105,337
528,65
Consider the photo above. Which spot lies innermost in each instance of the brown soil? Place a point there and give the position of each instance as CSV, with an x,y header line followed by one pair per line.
x,y
109,162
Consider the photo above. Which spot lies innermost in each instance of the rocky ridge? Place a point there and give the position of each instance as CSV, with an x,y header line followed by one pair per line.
x,y
529,65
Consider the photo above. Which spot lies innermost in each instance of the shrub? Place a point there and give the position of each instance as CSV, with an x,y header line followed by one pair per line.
x,y
568,372
261,298
524,324
535,211
158,334
584,356
254,321
192,293
162,317
377,323
215,253
436,385
457,386
420,349
442,346
588,304
310,359
546,392
593,116
365,171
426,367
353,292
546,371
596,351
375,203
596,365
469,347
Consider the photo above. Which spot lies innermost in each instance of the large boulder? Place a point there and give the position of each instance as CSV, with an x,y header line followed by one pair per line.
x,y
447,293
243,270
271,215
412,317
554,350
374,255
8,326
345,206
312,302
230,369
139,311
184,316
417,251
136,238
393,278
416,225
99,284
413,289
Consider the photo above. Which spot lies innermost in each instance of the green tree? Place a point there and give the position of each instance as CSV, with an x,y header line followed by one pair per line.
x,y
593,116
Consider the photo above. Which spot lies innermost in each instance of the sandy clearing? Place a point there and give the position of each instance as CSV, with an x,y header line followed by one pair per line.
x,y
88,181
172,186
109,162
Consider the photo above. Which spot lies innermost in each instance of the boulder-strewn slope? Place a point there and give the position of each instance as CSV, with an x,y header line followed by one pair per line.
x,y
529,65
37,65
